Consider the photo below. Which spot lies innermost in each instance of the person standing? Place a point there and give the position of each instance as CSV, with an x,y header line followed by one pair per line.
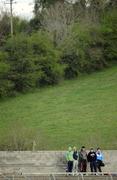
x,y
92,159
100,159
75,160
83,160
69,158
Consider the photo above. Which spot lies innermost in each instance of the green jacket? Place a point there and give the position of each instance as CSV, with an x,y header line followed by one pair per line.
x,y
69,156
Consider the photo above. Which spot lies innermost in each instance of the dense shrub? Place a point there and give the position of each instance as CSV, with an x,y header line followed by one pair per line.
x,y
109,31
23,70
21,25
83,50
33,61
6,86
47,59
4,26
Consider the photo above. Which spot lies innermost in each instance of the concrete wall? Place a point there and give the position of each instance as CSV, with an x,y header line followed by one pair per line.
x,y
45,161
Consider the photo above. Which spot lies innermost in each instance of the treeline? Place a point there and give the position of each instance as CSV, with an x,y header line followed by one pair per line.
x,y
63,40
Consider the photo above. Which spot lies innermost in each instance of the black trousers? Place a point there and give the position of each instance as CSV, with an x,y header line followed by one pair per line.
x,y
93,166
83,166
70,166
99,162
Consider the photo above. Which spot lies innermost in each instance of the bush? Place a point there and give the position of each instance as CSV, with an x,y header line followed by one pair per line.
x,y
83,50
6,86
47,59
109,30
23,72
33,61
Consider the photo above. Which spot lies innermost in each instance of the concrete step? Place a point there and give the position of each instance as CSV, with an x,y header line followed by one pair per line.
x,y
57,177
44,161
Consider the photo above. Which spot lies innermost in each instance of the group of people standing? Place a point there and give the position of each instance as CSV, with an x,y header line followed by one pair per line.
x,y
77,161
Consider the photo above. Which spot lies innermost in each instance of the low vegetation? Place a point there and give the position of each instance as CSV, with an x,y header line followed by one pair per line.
x,y
75,112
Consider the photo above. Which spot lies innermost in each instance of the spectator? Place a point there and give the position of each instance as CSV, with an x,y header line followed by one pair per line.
x,y
69,158
99,159
92,159
75,160
83,160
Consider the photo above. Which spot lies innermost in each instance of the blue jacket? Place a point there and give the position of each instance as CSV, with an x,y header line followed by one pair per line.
x,y
99,156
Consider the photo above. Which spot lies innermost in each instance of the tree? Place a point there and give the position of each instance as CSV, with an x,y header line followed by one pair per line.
x,y
21,25
4,26
96,8
23,71
57,20
83,50
6,86
41,4
113,3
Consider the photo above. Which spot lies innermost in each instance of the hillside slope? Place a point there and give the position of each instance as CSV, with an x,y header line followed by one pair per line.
x,y
77,112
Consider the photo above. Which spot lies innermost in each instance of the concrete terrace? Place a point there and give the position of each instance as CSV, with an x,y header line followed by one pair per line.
x,y
25,162
57,177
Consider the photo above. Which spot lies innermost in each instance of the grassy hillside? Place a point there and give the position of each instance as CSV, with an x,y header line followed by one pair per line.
x,y
77,112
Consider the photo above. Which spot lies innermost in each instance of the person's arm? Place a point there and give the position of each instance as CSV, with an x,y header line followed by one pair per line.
x,y
79,156
95,156
73,155
67,156
88,157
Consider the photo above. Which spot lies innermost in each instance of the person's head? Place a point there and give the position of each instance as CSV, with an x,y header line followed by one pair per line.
x,y
91,150
69,149
74,148
83,148
98,150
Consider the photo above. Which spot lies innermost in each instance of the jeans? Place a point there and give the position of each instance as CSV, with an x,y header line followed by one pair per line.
x,y
70,166
99,162
75,166
83,166
93,166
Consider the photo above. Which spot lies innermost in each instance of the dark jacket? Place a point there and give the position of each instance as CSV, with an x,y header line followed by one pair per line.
x,y
82,156
75,155
91,156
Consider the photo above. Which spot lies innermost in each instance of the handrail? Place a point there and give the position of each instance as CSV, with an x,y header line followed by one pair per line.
x,y
52,176
82,176
78,173
111,178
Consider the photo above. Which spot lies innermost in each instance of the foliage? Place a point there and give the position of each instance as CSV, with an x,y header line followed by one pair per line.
x,y
57,19
47,58
83,50
33,61
63,39
23,70
21,25
109,30
76,112
4,27
6,86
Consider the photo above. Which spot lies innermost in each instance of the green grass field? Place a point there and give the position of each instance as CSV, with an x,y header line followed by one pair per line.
x,y
77,112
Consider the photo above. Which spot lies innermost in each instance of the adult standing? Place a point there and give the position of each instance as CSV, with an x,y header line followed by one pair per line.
x,y
100,159
75,160
69,158
83,160
92,159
